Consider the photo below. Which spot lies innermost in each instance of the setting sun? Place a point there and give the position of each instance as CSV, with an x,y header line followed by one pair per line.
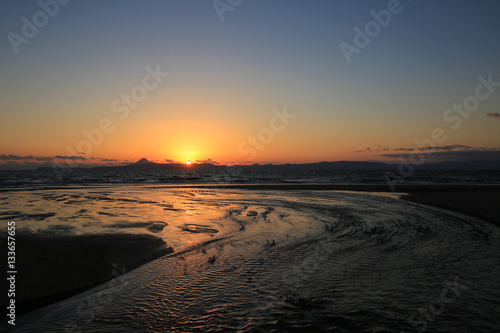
x,y
188,162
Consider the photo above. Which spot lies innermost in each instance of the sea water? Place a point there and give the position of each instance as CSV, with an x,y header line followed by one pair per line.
x,y
277,261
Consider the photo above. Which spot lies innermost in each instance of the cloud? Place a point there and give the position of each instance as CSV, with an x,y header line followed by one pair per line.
x,y
438,149
494,115
59,157
369,149
448,148
455,155
207,161
11,162
10,158
377,147
28,158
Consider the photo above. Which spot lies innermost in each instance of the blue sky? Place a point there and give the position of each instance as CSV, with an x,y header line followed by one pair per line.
x,y
230,74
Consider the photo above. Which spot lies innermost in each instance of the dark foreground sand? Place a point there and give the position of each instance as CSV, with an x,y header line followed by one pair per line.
x,y
484,204
57,267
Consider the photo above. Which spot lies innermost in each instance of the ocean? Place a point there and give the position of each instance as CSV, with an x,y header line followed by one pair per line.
x,y
267,261
32,178
226,259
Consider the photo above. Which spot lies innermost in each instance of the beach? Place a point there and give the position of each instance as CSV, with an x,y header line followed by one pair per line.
x,y
220,247
482,201
56,267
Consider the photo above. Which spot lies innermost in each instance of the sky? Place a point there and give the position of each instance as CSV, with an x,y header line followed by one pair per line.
x,y
248,81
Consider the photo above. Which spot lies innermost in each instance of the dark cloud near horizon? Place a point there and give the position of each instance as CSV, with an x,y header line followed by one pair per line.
x,y
59,157
34,158
492,154
376,148
450,148
441,148
30,161
207,161
494,115
11,157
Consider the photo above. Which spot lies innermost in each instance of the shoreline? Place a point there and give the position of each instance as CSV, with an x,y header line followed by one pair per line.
x,y
101,254
57,267
374,187
479,201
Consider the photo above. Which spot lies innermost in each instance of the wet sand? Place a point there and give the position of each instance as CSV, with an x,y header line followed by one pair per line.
x,y
57,267
279,261
484,204
481,201
54,268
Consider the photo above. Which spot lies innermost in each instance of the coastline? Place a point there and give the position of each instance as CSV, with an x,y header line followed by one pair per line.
x,y
377,242
480,201
101,254
58,267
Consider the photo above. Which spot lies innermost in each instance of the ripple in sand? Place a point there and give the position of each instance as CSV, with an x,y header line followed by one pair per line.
x,y
151,226
198,228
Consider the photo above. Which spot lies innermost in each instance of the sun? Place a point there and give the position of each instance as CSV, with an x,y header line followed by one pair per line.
x,y
189,162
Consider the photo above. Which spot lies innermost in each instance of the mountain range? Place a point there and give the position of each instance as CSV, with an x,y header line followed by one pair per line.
x,y
145,164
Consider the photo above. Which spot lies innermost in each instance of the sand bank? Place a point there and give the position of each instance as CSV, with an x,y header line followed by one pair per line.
x,y
54,268
482,201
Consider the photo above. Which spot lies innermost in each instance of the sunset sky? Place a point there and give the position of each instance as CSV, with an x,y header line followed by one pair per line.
x,y
230,80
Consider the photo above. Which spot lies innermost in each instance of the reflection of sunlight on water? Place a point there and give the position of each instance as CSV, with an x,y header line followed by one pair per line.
x,y
274,260
392,195
126,210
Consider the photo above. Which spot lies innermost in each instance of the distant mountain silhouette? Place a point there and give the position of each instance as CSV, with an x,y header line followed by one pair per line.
x,y
145,164
142,161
